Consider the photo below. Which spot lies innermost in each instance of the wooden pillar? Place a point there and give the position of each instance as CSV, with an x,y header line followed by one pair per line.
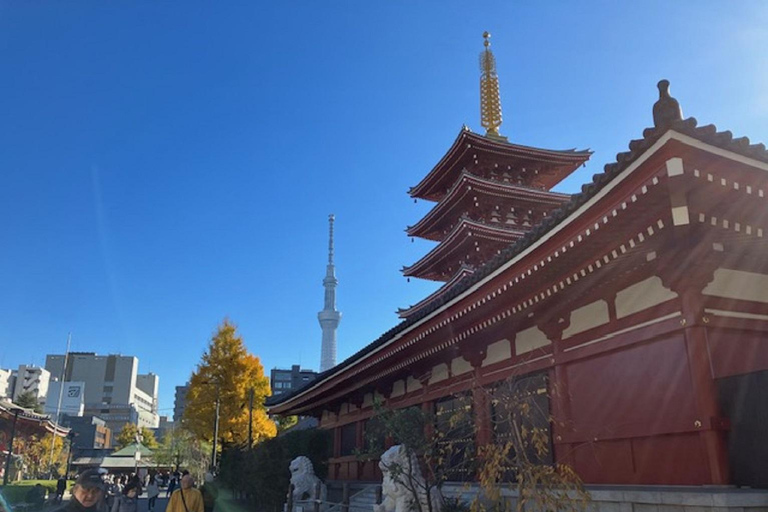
x,y
559,393
689,282
385,390
345,497
480,404
705,388
337,439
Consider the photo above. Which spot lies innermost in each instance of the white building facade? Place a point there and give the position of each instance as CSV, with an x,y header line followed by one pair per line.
x,y
70,394
7,381
114,389
32,379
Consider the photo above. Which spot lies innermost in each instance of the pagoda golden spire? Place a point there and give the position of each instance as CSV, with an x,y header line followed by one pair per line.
x,y
490,100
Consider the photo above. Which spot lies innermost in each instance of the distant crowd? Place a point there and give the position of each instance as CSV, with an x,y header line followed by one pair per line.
x,y
96,490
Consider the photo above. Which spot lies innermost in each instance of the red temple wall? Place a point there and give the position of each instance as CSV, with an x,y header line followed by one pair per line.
x,y
736,352
618,400
632,411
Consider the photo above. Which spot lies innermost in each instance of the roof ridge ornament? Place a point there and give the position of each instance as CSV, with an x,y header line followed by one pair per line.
x,y
666,111
490,99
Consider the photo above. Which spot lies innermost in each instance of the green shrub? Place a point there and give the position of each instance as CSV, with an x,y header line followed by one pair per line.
x,y
16,492
262,472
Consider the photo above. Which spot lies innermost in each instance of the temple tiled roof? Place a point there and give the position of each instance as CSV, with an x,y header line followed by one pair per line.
x,y
707,134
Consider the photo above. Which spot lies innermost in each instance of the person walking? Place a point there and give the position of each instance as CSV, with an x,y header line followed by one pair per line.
x,y
171,486
128,501
210,493
61,487
153,491
186,498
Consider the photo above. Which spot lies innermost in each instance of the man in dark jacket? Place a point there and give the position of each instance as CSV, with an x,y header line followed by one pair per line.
x,y
61,488
87,494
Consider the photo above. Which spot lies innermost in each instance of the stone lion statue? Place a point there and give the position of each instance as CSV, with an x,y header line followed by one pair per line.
x,y
398,489
303,479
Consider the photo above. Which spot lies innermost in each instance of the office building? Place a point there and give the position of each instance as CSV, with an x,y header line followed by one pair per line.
x,y
180,402
69,400
282,381
114,389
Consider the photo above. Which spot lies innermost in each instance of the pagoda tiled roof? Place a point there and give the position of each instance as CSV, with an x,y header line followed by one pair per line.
x,y
467,182
466,229
707,134
444,174
463,272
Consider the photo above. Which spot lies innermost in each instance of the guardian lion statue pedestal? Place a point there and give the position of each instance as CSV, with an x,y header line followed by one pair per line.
x,y
399,489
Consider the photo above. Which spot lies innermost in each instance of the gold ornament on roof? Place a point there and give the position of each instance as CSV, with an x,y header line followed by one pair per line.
x,y
490,99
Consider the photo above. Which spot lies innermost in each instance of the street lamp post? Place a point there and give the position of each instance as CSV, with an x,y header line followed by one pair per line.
x,y
71,438
7,472
216,427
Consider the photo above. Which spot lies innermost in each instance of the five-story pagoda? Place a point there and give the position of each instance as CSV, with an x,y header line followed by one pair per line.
x,y
488,193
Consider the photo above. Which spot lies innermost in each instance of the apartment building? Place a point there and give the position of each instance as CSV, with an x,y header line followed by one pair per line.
x,y
31,379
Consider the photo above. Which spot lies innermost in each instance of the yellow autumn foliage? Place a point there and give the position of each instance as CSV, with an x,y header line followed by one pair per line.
x,y
228,370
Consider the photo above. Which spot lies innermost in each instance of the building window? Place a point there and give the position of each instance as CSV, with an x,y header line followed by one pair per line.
x,y
454,419
348,439
524,401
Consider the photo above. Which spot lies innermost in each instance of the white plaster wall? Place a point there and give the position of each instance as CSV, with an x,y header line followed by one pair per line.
x,y
398,388
460,365
499,351
439,372
530,339
367,400
412,384
736,284
344,409
642,295
587,317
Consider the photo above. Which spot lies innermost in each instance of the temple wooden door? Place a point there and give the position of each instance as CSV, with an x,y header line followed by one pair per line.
x,y
744,400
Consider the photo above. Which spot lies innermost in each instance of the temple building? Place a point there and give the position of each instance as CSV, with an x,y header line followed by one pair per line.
x,y
638,306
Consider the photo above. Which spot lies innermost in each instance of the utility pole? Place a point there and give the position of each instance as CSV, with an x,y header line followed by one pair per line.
x,y
58,405
250,420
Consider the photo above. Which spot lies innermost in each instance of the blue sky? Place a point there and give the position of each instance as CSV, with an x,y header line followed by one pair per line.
x,y
166,164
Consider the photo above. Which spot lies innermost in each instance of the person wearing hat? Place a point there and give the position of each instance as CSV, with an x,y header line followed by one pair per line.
x,y
87,494
128,501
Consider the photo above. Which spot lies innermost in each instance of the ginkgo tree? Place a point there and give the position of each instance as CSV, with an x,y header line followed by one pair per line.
x,y
228,373
128,434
